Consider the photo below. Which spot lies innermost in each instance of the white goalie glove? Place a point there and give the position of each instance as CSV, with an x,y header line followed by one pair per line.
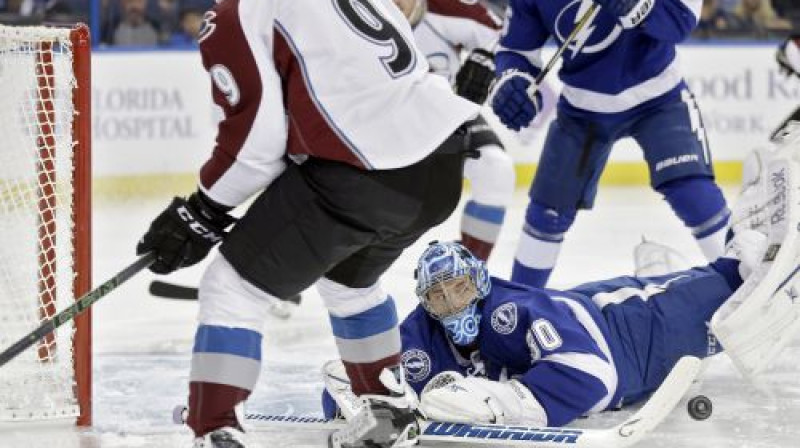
x,y
478,400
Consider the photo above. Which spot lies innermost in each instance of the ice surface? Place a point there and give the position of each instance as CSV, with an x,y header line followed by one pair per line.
x,y
142,344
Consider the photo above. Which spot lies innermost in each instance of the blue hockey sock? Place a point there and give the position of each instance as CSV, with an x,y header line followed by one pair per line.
x,y
540,244
699,203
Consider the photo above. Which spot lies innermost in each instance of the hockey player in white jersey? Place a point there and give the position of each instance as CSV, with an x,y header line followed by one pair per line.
x,y
340,86
442,30
621,79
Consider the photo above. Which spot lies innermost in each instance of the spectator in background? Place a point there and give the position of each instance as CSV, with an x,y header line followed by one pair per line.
x,y
10,6
168,15
32,12
714,21
134,27
728,5
190,24
789,10
759,18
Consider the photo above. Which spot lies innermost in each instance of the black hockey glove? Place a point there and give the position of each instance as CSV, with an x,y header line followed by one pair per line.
x,y
474,77
184,233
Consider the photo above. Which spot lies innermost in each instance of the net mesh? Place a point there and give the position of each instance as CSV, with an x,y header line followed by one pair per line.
x,y
36,210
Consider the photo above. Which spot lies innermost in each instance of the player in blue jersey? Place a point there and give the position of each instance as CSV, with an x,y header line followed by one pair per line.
x,y
621,79
522,355
514,354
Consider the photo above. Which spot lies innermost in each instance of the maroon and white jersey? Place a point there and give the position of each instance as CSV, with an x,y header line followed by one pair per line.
x,y
451,26
335,79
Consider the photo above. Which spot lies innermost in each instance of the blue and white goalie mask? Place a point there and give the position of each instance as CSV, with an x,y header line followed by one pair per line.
x,y
450,282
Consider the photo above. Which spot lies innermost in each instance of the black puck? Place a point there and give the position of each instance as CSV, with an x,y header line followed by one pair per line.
x,y
700,407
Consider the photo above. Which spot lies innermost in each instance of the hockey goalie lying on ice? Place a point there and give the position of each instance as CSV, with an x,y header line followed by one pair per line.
x,y
479,349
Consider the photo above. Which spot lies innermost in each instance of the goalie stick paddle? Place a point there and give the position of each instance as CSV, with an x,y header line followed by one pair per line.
x,y
81,304
632,430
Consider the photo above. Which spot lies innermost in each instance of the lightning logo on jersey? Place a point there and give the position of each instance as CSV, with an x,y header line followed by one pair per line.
x,y
596,35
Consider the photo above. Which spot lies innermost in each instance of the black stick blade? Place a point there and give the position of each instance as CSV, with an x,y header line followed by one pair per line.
x,y
172,291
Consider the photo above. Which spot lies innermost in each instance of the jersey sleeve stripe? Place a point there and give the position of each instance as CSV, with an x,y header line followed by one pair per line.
x,y
620,295
609,103
594,331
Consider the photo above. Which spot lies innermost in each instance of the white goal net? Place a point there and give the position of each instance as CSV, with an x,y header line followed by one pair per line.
x,y
40,193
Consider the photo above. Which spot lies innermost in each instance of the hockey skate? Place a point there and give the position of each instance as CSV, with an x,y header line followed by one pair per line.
x,y
652,259
763,315
221,438
373,421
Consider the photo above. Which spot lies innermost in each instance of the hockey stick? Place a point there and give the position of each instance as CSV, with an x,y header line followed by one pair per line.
x,y
169,290
80,305
625,434
567,41
788,126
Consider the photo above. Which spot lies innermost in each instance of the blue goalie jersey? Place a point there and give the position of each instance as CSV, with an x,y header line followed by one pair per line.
x,y
552,341
597,346
594,347
606,69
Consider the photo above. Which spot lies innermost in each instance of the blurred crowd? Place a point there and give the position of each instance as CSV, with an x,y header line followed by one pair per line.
x,y
177,22
748,18
167,23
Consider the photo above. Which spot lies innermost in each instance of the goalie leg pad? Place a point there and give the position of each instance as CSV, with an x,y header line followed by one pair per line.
x,y
763,315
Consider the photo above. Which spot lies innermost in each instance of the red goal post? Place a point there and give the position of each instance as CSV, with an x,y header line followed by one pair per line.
x,y
45,218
